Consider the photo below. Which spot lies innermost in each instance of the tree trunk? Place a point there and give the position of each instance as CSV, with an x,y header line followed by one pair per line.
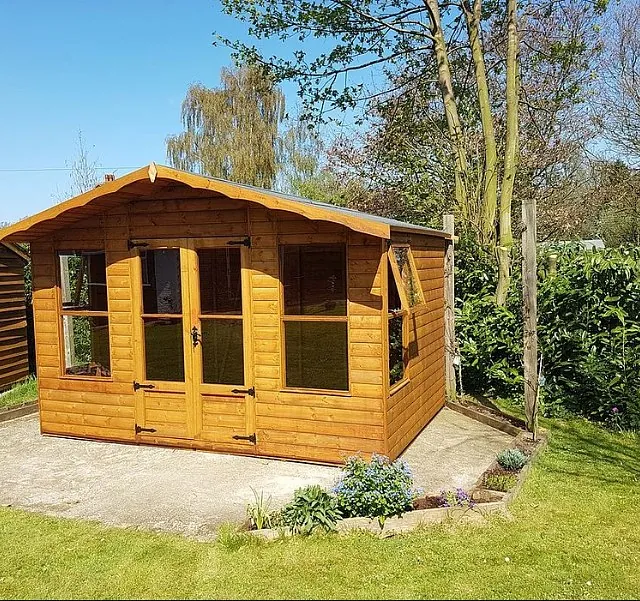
x,y
505,242
451,109
490,177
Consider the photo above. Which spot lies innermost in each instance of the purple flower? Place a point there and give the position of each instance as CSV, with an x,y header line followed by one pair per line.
x,y
614,410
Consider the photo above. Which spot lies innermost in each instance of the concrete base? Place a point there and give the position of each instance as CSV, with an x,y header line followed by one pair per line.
x,y
191,492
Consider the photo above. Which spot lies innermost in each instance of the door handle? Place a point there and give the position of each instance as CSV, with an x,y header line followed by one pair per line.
x,y
196,337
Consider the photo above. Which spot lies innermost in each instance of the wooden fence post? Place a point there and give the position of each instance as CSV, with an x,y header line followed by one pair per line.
x,y
530,312
449,313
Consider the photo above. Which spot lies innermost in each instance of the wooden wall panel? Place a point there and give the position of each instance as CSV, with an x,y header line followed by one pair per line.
x,y
14,352
412,406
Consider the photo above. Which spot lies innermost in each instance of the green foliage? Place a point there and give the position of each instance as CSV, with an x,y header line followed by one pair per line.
x,y
259,513
589,331
312,509
512,459
376,489
500,482
24,392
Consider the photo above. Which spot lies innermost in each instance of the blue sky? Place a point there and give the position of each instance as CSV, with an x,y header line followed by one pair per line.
x,y
117,70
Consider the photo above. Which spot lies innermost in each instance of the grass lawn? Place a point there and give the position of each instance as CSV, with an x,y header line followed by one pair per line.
x,y
21,393
576,534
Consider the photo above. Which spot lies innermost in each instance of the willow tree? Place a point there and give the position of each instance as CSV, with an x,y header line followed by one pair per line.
x,y
233,131
380,40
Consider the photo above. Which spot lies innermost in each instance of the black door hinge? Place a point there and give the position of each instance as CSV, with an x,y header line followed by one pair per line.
x,y
138,386
141,429
131,244
245,242
250,391
251,438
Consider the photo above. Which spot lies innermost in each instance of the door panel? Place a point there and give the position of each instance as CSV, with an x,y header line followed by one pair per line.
x,y
164,401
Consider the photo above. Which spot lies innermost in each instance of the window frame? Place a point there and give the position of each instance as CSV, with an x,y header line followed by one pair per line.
x,y
312,318
62,313
405,311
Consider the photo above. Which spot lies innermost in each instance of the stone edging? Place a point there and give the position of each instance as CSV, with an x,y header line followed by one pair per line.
x,y
20,411
424,517
484,418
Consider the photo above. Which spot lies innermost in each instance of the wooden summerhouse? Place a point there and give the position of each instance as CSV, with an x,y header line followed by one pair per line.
x,y
176,309
14,352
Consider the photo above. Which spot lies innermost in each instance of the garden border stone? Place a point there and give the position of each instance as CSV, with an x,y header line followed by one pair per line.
x,y
19,411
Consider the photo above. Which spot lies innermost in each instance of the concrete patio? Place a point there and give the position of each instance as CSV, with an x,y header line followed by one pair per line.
x,y
192,493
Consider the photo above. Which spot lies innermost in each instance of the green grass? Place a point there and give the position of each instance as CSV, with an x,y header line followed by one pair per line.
x,y
576,534
23,392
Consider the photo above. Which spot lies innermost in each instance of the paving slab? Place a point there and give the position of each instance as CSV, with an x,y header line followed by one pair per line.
x,y
193,492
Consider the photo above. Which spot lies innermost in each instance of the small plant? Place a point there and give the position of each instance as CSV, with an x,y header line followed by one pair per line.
x,y
455,498
512,460
500,482
311,509
376,489
259,513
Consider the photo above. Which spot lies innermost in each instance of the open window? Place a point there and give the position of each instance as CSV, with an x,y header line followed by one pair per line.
x,y
84,314
314,279
404,294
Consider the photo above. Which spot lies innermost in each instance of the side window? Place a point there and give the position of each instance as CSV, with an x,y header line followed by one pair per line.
x,y
404,294
84,315
314,280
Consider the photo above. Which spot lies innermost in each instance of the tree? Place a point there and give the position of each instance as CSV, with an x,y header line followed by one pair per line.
x,y
405,43
231,131
619,102
83,172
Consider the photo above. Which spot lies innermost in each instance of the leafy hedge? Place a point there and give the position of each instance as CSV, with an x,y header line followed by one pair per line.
x,y
589,331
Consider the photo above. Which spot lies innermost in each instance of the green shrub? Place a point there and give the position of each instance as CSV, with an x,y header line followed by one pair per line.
x,y
512,460
500,482
589,331
376,489
312,509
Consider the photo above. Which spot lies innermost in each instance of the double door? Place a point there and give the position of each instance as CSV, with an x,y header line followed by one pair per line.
x,y
192,341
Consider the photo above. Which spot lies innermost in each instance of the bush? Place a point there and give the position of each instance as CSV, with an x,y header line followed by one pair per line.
x,y
512,460
589,331
376,489
455,498
311,509
500,482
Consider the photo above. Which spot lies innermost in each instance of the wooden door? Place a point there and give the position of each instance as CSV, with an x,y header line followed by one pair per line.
x,y
165,404
222,359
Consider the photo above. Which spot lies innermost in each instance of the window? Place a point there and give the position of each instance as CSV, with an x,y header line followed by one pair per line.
x,y
221,316
84,314
314,279
404,294
162,315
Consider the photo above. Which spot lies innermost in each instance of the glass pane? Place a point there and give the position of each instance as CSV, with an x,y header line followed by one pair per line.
x,y
164,350
409,279
222,351
392,292
220,289
314,279
83,280
316,355
161,290
86,346
396,354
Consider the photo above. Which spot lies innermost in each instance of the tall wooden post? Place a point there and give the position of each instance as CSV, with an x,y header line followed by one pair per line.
x,y
449,313
530,312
